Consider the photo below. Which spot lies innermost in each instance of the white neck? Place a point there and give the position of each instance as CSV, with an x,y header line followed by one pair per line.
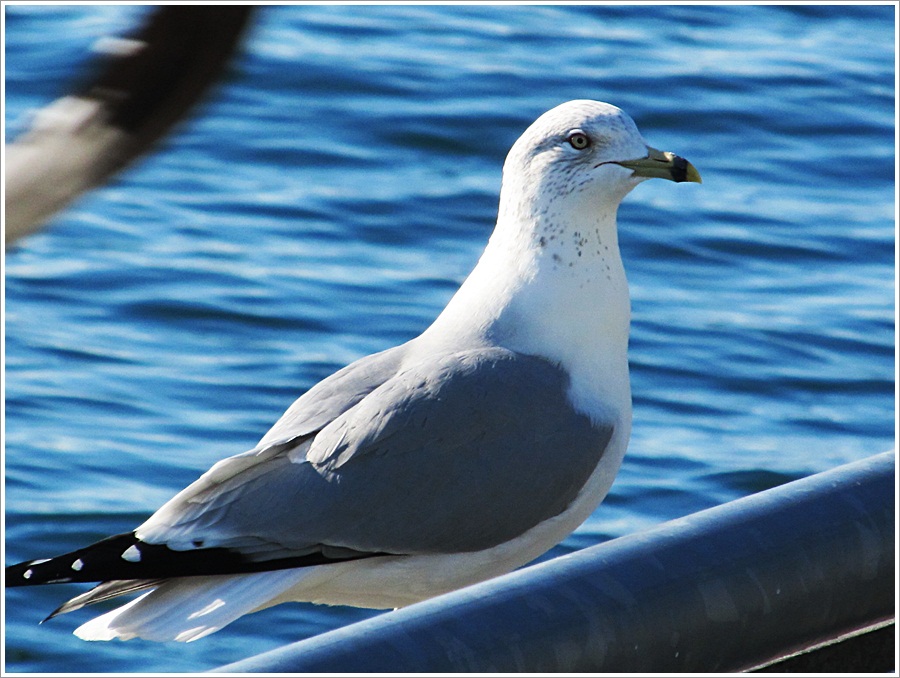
x,y
557,293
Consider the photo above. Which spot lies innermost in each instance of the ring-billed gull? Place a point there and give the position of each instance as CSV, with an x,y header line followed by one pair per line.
x,y
458,456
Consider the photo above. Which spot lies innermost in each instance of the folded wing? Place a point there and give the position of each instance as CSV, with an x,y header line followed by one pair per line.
x,y
458,452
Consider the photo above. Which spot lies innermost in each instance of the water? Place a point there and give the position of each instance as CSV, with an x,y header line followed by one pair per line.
x,y
340,185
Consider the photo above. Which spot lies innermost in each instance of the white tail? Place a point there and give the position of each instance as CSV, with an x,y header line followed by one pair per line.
x,y
189,608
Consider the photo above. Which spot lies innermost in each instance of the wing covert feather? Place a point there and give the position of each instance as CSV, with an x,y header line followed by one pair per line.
x,y
334,395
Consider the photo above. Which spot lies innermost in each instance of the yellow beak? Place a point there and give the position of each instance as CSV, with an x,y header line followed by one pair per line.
x,y
664,165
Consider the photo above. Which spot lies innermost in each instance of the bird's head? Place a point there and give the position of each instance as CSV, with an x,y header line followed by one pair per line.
x,y
582,153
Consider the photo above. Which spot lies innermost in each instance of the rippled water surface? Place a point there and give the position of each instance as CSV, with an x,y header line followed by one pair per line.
x,y
340,184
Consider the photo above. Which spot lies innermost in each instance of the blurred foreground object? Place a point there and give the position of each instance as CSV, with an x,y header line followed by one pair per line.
x,y
140,87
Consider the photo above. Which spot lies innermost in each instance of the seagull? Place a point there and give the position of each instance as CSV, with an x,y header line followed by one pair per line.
x,y
458,456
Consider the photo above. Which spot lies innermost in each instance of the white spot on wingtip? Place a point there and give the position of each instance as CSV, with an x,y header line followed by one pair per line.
x,y
27,574
77,565
131,554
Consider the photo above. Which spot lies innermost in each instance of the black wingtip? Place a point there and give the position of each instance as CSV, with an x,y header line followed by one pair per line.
x,y
76,566
125,557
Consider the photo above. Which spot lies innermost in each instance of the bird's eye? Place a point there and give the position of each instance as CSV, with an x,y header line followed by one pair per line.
x,y
579,140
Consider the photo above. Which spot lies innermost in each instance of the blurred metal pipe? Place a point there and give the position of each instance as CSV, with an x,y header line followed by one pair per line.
x,y
726,589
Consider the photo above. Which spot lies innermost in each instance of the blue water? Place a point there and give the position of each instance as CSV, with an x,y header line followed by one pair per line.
x,y
330,197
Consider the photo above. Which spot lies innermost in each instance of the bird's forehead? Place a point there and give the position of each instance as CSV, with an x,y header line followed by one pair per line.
x,y
586,115
607,124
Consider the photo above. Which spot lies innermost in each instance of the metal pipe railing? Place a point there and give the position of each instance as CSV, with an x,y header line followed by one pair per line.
x,y
725,589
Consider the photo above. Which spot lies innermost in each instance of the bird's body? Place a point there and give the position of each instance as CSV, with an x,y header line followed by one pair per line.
x,y
455,457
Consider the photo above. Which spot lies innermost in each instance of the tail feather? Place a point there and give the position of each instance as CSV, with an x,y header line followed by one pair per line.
x,y
102,592
195,592
190,608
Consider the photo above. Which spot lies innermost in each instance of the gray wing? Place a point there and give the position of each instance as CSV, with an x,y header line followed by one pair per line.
x,y
308,415
459,452
334,395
